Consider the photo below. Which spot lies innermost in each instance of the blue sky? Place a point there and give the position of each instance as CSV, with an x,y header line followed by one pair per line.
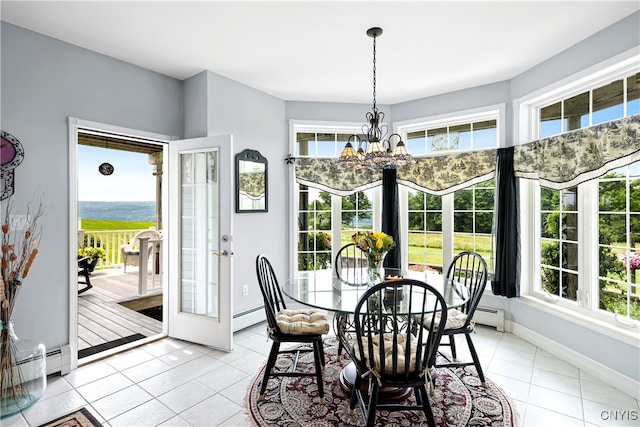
x,y
132,179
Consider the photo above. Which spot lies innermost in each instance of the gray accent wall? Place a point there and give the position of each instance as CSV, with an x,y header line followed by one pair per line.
x,y
45,81
256,121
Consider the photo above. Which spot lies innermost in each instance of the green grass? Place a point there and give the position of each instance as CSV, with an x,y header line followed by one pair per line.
x,y
104,224
112,248
462,242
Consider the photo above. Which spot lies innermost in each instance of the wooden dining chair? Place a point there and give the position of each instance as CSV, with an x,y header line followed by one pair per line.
x,y
351,265
289,326
391,347
468,269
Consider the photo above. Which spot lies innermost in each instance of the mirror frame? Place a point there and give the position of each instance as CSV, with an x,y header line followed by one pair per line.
x,y
255,157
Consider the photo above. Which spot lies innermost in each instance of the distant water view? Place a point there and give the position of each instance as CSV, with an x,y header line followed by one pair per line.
x,y
121,211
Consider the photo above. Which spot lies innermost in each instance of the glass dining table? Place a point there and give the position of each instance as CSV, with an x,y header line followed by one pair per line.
x,y
323,289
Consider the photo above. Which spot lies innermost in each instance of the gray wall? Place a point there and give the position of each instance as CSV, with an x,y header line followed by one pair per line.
x,y
255,120
44,81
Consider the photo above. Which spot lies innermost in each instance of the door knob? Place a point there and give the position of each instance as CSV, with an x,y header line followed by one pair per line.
x,y
223,253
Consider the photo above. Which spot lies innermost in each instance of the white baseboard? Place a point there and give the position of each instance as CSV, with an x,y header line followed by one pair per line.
x,y
597,370
248,318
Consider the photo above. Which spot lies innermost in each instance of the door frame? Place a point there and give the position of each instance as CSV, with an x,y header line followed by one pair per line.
x,y
125,133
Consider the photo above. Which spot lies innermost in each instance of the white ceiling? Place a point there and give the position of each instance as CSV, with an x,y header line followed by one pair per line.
x,y
319,51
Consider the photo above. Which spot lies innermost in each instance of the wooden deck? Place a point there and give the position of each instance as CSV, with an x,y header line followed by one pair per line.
x,y
102,319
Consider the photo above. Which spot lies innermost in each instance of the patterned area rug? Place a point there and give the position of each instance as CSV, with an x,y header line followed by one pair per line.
x,y
459,400
79,418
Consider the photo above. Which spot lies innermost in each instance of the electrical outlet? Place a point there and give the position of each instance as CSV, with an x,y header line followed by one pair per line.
x,y
245,290
18,222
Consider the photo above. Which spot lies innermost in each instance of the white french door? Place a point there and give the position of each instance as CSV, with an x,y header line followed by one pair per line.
x,y
200,241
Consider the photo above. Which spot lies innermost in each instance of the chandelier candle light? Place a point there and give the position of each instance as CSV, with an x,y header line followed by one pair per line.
x,y
375,245
380,152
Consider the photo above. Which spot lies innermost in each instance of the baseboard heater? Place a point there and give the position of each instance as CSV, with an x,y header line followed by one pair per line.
x,y
59,361
248,318
490,317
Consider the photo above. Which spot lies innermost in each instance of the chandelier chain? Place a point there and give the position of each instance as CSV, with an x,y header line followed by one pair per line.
x,y
374,73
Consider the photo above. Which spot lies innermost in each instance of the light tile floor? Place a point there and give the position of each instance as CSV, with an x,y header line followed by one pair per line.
x,y
175,383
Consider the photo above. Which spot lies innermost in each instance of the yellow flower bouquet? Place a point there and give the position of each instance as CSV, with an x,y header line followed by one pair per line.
x,y
375,245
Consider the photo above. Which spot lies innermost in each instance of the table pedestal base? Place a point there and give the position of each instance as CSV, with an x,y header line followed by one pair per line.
x,y
385,394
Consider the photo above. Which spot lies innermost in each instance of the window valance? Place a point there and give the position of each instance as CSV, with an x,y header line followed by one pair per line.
x,y
566,160
252,184
327,175
449,172
438,175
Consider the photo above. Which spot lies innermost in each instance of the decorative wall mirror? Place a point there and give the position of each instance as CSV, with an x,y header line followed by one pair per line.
x,y
251,182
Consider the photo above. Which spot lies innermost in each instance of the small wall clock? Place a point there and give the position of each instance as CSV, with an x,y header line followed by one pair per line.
x,y
11,155
105,169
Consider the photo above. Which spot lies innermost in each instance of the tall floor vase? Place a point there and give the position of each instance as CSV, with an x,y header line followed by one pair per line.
x,y
23,373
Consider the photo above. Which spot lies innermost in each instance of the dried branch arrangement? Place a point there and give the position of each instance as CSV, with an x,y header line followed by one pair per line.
x,y
19,251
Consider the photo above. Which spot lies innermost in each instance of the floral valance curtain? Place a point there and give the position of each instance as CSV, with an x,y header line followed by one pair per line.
x,y
574,157
438,175
327,175
252,184
449,172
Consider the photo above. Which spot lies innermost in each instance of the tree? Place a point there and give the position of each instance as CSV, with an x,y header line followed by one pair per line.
x,y
356,205
321,219
420,202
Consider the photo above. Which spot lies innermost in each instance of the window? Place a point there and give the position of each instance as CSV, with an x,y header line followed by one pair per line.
x,y
437,227
471,228
588,235
559,242
473,220
326,222
464,136
619,241
424,234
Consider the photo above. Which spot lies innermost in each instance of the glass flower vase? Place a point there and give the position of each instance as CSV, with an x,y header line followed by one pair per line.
x,y
375,272
23,371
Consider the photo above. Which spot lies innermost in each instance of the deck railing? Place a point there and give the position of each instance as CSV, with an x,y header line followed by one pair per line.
x,y
111,240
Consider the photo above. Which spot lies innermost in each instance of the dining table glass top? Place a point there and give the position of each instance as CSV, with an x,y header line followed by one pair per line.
x,y
324,290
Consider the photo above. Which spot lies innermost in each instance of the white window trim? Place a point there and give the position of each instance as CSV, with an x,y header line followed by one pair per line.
x,y
490,112
296,126
585,310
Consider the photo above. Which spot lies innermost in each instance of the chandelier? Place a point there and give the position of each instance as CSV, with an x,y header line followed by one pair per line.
x,y
373,150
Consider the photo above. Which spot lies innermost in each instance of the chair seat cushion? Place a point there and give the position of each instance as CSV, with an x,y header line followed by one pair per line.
x,y
455,319
132,252
400,349
302,322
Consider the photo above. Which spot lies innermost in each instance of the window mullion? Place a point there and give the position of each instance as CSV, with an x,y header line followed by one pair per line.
x,y
588,248
336,225
447,230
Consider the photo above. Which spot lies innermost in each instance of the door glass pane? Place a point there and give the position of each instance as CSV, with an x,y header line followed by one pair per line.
x,y
199,234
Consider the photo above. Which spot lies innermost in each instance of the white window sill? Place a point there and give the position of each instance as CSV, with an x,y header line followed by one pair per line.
x,y
588,319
